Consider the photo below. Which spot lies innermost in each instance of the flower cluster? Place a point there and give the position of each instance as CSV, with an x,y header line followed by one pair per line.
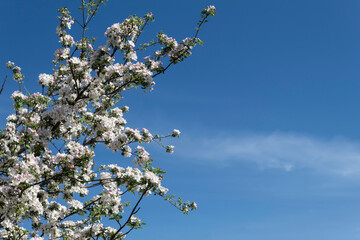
x,y
209,10
123,36
17,76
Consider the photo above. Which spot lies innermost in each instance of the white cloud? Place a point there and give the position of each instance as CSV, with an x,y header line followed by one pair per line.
x,y
280,150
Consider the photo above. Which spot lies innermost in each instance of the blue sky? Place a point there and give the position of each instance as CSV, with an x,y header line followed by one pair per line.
x,y
269,110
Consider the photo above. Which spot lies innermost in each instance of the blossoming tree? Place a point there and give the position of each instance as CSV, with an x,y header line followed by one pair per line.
x,y
50,187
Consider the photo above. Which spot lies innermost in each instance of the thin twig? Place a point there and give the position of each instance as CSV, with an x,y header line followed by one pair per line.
x,y
2,86
132,212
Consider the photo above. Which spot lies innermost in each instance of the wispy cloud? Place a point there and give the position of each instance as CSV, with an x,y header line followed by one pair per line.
x,y
280,150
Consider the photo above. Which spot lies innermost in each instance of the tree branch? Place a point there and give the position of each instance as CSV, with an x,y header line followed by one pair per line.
x,y
132,212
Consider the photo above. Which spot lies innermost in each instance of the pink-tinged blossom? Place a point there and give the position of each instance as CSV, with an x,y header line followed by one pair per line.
x,y
67,40
46,79
170,149
152,177
175,133
10,64
62,54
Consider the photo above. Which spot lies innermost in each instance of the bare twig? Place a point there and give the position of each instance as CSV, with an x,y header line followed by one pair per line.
x,y
2,86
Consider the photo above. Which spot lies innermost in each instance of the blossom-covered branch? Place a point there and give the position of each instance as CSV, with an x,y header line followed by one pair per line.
x,y
48,178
